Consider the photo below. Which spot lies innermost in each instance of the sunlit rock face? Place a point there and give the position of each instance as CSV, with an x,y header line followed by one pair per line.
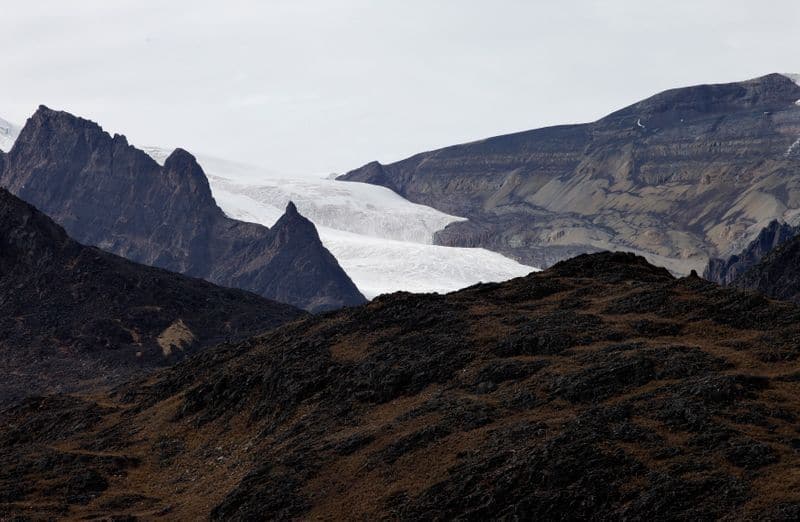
x,y
688,174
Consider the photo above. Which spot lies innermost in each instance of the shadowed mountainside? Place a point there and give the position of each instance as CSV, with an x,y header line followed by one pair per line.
x,y
770,264
777,274
725,271
108,194
683,176
76,317
602,388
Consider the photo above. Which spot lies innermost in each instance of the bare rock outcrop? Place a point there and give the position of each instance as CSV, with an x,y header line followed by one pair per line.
x,y
683,176
107,193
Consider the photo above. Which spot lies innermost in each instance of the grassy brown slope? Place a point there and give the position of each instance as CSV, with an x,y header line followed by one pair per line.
x,y
602,388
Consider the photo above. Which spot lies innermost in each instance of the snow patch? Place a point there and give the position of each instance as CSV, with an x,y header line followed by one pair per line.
x,y
796,79
793,76
792,148
8,135
639,123
159,154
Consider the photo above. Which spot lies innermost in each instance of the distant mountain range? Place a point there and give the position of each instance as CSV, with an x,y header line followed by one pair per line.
x,y
75,317
109,194
686,175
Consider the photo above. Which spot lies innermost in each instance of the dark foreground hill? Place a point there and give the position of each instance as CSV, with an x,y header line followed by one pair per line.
x,y
74,316
108,194
602,388
682,176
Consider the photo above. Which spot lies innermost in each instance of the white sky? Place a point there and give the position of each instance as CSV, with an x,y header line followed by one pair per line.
x,y
327,85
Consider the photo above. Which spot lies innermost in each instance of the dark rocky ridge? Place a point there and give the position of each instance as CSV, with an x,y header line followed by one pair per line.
x,y
74,317
108,194
683,176
603,388
725,271
777,274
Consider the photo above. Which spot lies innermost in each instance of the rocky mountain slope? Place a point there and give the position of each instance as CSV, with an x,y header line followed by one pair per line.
x,y
777,274
725,271
601,388
688,174
770,264
109,194
74,316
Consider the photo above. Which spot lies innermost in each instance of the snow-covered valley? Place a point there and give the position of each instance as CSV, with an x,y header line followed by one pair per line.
x,y
383,241
377,264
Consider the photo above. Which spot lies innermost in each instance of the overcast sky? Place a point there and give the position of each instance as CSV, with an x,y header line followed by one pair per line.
x,y
327,85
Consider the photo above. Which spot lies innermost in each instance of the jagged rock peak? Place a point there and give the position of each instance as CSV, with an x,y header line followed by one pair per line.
x,y
293,215
58,132
295,224
45,114
725,271
109,194
184,162
180,157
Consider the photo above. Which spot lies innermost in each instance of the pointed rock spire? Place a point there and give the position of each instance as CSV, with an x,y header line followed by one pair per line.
x,y
107,193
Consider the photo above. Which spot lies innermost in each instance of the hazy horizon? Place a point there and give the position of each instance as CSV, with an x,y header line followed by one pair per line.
x,y
307,86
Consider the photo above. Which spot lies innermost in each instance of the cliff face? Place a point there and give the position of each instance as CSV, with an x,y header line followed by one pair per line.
x,y
109,194
74,316
725,271
680,177
603,389
770,264
777,274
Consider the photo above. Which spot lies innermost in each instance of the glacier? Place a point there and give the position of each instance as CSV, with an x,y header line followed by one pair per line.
x,y
379,265
383,241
